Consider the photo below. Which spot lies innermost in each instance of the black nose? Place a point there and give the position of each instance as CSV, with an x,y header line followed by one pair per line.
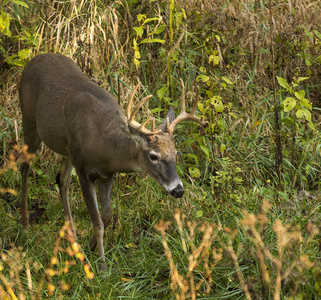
x,y
178,192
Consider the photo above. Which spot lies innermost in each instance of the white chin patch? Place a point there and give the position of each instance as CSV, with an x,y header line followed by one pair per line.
x,y
173,185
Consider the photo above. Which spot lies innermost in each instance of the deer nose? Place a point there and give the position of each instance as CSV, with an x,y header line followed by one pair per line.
x,y
178,192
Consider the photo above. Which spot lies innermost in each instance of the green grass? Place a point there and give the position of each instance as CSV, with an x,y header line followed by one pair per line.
x,y
137,265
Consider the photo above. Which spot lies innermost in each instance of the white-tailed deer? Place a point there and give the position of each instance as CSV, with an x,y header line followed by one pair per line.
x,y
82,122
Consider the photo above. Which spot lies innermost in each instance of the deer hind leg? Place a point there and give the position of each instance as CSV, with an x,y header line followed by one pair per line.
x,y
33,141
63,180
104,192
89,192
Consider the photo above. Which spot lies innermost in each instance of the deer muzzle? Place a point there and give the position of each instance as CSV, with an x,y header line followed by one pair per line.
x,y
175,188
178,191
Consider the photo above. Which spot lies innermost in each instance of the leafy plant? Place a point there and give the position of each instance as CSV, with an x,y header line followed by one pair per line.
x,y
6,19
149,26
298,107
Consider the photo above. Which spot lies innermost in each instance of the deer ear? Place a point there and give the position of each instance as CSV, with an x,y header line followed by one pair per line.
x,y
170,116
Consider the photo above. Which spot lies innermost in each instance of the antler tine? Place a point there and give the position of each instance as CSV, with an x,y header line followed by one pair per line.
x,y
131,100
183,115
182,97
138,106
131,115
146,122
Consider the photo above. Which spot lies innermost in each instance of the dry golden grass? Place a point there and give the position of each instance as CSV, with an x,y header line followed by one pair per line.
x,y
277,267
15,267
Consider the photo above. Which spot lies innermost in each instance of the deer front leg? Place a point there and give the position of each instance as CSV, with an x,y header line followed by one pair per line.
x,y
105,189
63,180
24,195
89,193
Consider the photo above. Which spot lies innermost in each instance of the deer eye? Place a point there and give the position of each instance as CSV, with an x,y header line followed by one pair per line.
x,y
153,157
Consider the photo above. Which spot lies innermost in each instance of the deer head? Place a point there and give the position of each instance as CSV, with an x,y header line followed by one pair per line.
x,y
158,152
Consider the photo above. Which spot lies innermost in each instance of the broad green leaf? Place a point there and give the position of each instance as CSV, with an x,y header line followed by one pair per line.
x,y
219,107
206,151
217,103
305,102
152,41
283,83
308,62
220,123
21,3
233,115
179,16
238,170
200,107
300,94
202,69
24,54
156,110
199,214
303,114
158,30
222,147
287,120
311,125
289,103
215,100
150,20
5,24
139,30
209,95
194,172
203,78
141,17
227,80
162,91
317,33
215,59
302,79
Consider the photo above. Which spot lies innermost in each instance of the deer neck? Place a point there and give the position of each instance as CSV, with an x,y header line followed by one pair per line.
x,y
127,153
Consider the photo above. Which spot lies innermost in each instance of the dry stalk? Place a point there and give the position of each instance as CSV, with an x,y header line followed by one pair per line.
x,y
179,221
11,286
285,238
18,156
184,285
230,249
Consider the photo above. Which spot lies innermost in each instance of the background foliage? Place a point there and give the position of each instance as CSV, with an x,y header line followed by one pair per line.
x,y
248,223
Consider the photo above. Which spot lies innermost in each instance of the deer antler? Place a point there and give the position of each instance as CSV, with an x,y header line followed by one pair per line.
x,y
183,115
131,115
